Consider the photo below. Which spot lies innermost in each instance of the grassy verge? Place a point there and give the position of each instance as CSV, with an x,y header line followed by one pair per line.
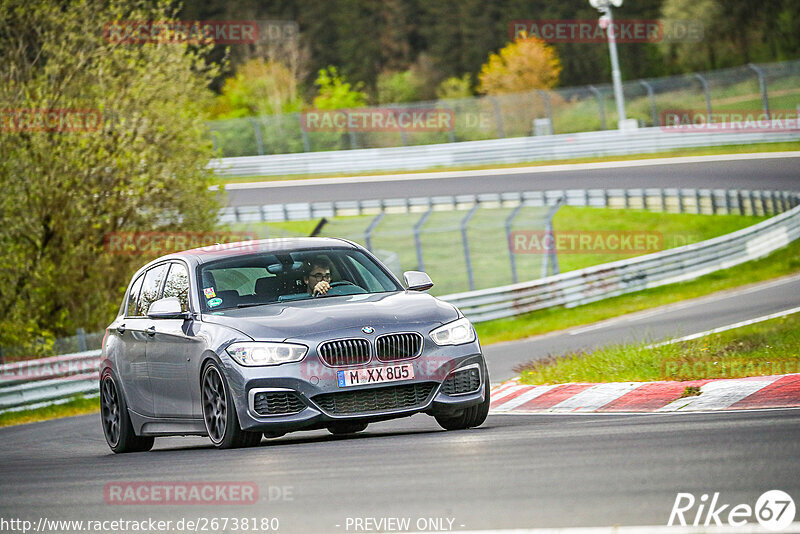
x,y
771,347
702,151
393,239
77,406
779,263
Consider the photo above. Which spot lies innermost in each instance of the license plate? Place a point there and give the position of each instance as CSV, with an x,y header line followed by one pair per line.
x,y
375,375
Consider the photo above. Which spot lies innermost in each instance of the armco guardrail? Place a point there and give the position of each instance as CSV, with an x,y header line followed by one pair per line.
x,y
32,382
611,279
708,201
42,381
512,150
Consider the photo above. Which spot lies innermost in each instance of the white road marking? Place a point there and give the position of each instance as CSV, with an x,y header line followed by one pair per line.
x,y
595,397
740,324
509,171
668,308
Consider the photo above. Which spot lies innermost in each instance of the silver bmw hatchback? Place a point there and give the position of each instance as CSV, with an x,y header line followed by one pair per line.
x,y
261,338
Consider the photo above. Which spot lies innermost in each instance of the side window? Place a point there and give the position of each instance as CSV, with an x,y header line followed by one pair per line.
x,y
133,297
151,287
178,284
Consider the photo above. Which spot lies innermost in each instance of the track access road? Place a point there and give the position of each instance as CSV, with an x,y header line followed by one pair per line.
x,y
748,171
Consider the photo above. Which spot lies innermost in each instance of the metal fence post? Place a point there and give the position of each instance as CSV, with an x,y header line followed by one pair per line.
x,y
82,340
600,105
351,133
257,134
707,95
417,240
403,134
652,98
698,202
548,109
371,228
681,202
498,118
762,85
304,134
465,241
551,256
511,254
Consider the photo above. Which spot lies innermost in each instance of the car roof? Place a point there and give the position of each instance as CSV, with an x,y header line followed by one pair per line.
x,y
201,255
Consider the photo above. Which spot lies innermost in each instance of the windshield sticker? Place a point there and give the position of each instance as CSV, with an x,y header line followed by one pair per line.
x,y
209,292
215,302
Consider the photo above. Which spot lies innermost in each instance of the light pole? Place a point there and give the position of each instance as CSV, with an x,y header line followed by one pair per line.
x,y
607,22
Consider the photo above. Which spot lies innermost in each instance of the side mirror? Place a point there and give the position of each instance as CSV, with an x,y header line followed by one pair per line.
x,y
167,308
417,280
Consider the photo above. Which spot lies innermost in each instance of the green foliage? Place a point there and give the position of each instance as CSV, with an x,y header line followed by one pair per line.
x,y
398,87
766,348
258,88
455,87
335,92
142,169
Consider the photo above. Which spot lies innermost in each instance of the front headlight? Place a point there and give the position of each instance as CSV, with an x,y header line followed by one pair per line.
x,y
455,333
266,353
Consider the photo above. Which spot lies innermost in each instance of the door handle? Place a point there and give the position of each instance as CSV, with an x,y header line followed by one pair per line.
x,y
151,331
121,329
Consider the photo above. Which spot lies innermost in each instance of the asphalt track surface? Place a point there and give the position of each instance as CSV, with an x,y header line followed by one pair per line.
x,y
671,321
513,472
781,173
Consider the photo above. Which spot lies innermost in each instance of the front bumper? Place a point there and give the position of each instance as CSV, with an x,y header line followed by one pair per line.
x,y
310,382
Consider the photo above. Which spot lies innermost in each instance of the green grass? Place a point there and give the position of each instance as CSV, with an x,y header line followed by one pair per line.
x,y
771,347
443,251
77,406
701,151
781,262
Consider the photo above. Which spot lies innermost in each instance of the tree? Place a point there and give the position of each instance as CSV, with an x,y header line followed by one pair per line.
x,y
258,88
141,167
335,92
397,87
527,63
455,87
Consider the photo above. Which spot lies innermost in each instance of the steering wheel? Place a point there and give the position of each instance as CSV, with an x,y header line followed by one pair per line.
x,y
336,284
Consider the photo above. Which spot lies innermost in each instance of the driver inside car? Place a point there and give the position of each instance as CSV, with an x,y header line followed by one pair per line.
x,y
317,277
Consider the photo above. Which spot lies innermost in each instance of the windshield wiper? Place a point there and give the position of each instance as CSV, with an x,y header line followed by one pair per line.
x,y
249,304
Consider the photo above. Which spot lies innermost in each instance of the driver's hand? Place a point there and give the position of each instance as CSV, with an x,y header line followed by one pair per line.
x,y
321,288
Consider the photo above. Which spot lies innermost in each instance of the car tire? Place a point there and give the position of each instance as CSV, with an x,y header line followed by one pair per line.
x,y
339,429
116,421
469,417
219,412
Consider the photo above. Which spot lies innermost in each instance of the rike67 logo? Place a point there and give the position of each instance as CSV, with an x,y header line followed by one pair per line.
x,y
774,510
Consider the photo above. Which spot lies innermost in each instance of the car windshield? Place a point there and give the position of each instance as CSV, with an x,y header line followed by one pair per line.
x,y
286,276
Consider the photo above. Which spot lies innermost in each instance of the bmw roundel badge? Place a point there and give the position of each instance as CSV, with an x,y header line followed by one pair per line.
x,y
368,330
